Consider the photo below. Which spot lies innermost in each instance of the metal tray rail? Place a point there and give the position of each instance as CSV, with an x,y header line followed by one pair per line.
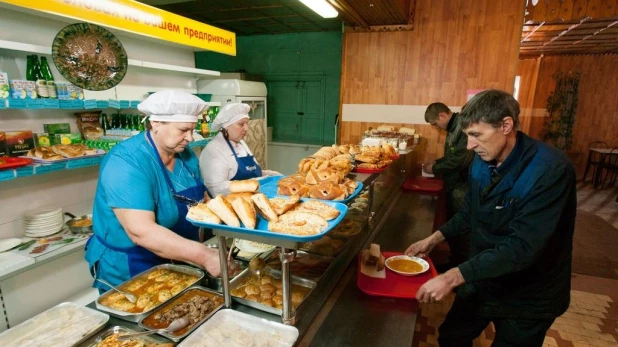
x,y
135,317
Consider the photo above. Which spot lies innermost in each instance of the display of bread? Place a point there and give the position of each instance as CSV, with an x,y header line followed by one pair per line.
x,y
201,212
372,257
268,291
244,186
57,152
224,211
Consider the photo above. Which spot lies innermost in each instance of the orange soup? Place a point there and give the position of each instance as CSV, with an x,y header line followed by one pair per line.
x,y
405,265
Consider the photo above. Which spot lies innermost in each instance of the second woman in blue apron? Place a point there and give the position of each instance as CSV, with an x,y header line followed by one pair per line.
x,y
227,157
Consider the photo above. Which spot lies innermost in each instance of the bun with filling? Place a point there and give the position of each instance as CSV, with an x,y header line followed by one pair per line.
x,y
245,212
264,207
223,210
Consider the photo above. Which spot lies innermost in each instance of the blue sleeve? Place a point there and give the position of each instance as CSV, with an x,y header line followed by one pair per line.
x,y
126,185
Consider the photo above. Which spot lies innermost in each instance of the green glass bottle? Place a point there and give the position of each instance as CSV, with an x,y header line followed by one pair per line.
x,y
105,123
41,84
49,79
30,69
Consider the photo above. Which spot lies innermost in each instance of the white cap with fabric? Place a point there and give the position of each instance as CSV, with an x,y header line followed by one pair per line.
x,y
172,106
230,114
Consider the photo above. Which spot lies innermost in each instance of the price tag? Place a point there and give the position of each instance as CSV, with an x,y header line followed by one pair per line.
x,y
114,104
79,163
24,171
17,103
35,103
2,104
77,104
134,103
6,175
90,104
51,103
66,104
125,104
102,104
43,169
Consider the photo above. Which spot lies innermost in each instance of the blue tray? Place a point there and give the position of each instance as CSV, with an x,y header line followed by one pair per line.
x,y
261,229
269,187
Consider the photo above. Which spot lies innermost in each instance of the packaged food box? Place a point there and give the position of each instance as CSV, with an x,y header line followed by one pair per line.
x,y
75,92
19,142
5,90
22,89
57,128
2,143
67,139
62,90
42,139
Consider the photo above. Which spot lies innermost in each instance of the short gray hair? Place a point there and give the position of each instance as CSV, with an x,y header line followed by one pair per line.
x,y
433,110
489,106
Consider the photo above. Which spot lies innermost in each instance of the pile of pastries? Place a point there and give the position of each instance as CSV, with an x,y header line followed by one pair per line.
x,y
268,291
57,152
375,157
284,215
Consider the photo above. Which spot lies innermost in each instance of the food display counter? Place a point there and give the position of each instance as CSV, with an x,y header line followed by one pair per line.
x,y
336,310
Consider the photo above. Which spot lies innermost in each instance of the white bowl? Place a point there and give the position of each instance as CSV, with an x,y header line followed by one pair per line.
x,y
421,261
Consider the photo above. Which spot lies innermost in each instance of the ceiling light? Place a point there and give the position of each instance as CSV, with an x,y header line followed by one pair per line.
x,y
321,7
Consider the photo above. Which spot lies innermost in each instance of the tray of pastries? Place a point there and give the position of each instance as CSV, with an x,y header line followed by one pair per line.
x,y
152,288
266,293
66,324
305,265
197,304
279,217
60,153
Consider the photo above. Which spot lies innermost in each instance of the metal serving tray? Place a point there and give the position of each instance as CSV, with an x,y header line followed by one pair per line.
x,y
177,338
270,188
210,333
135,317
53,327
98,338
262,234
241,279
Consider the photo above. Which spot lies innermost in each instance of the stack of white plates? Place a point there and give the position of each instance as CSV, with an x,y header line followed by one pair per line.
x,y
43,222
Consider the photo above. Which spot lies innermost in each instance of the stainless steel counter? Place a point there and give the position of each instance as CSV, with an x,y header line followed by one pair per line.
x,y
337,313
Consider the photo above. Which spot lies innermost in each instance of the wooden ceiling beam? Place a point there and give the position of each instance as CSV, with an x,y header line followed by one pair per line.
x,y
565,10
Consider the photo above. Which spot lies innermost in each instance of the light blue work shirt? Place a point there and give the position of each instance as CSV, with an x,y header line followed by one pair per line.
x,y
130,178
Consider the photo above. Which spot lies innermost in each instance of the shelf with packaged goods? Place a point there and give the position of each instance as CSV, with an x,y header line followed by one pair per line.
x,y
24,47
41,169
74,104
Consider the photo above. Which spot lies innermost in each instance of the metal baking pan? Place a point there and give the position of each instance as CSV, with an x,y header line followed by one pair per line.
x,y
245,275
135,317
66,324
275,264
172,303
98,338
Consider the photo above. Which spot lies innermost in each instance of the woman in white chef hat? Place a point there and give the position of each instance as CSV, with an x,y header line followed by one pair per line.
x,y
145,183
227,157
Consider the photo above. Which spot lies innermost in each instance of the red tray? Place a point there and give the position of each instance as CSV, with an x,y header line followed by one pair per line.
x,y
369,171
12,163
423,184
394,285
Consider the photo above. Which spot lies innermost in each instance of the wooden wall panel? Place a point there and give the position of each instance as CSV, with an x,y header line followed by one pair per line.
x,y
528,70
456,45
597,108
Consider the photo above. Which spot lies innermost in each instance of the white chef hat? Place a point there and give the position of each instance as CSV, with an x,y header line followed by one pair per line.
x,y
173,106
230,114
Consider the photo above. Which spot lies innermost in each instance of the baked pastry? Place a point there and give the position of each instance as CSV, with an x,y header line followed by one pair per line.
x,y
267,279
318,207
283,205
407,131
252,289
201,212
304,218
386,128
368,166
231,197
367,158
244,186
294,228
264,207
268,288
44,152
245,211
223,210
327,191
289,186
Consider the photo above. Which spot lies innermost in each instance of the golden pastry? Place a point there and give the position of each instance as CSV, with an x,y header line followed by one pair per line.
x,y
278,300
268,287
266,295
255,298
267,279
252,289
267,302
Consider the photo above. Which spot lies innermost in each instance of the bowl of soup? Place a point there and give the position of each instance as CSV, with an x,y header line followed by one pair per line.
x,y
407,266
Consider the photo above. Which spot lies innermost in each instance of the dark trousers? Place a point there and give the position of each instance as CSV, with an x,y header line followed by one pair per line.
x,y
463,324
459,245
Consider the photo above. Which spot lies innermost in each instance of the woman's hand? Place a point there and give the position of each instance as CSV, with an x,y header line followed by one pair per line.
x,y
211,262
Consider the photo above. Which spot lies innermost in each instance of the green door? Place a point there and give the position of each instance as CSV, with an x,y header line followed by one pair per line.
x,y
296,109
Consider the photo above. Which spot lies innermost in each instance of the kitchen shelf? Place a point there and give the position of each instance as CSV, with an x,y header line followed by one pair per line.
x,y
55,104
41,169
24,47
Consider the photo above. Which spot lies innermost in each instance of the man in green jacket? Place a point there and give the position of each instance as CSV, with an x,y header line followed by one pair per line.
x,y
520,211
453,169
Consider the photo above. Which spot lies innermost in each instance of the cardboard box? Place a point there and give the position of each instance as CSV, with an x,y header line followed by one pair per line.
x,y
57,128
22,89
5,89
67,91
2,143
19,142
42,139
67,139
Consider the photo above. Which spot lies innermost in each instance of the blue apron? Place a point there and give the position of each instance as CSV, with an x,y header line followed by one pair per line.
x,y
247,167
141,259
